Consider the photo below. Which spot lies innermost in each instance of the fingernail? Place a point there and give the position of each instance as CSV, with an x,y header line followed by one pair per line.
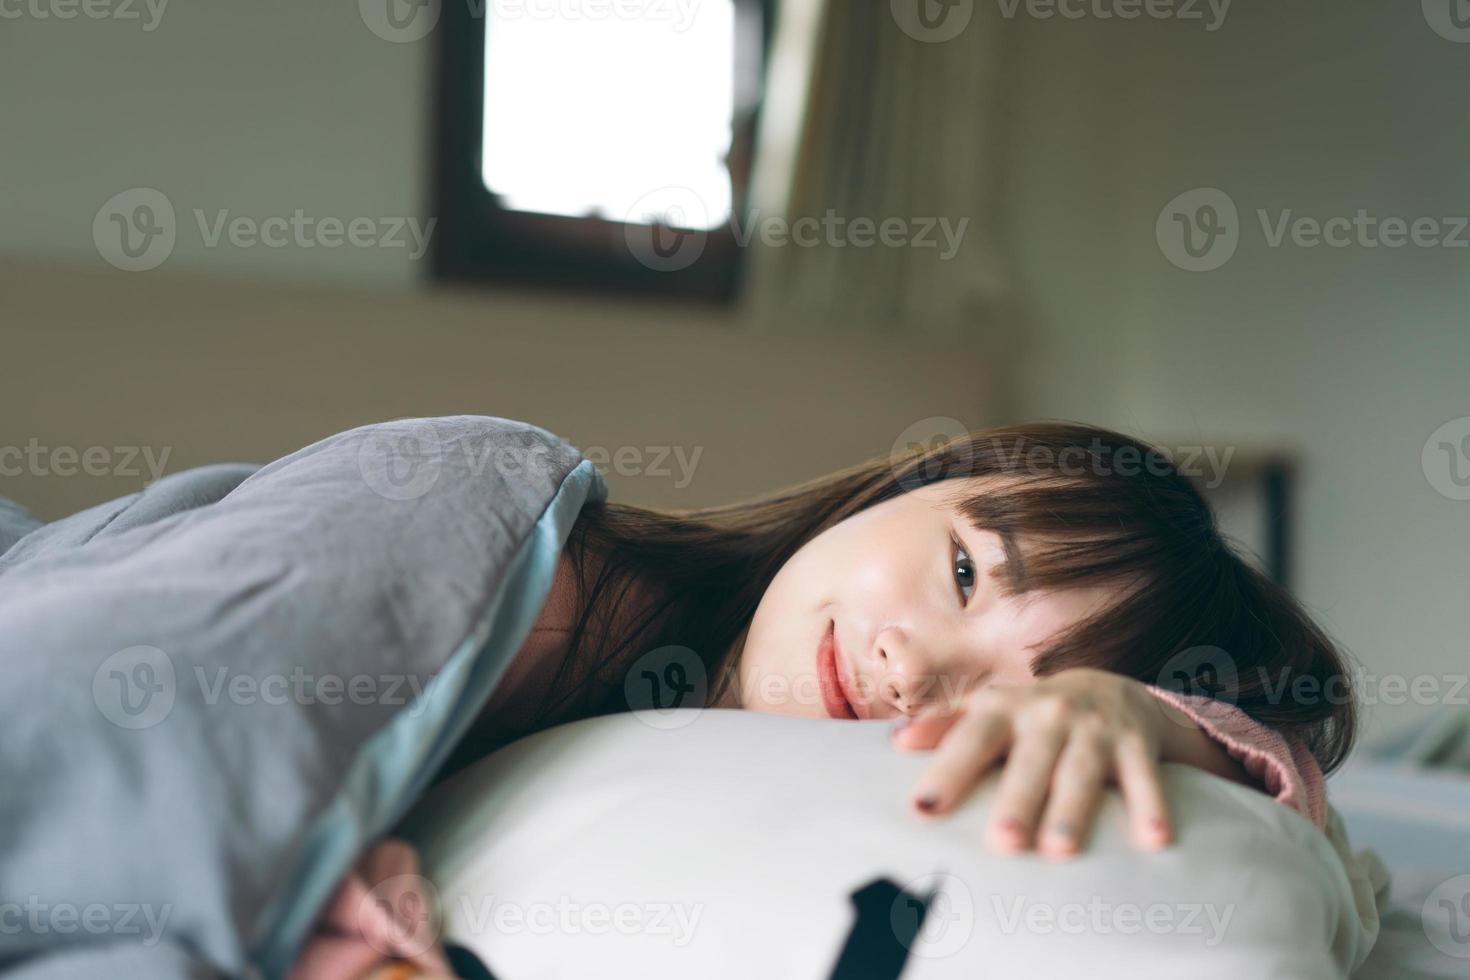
x,y
1062,831
1157,835
1011,827
927,802
1008,834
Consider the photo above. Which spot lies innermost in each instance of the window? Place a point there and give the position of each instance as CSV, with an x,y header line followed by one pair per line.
x,y
597,143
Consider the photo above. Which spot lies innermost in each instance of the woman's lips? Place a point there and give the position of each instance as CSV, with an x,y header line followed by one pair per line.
x,y
858,704
834,698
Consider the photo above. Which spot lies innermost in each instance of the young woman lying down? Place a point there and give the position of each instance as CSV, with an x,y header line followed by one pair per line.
x,y
1028,600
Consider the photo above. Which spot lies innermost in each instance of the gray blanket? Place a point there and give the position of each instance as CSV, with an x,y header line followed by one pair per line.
x,y
217,691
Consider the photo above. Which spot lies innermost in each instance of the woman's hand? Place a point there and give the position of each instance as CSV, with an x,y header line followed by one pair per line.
x,y
1063,740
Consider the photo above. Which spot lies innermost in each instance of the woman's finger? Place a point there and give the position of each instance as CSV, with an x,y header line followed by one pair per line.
x,y
1143,793
971,746
925,730
1076,789
1024,786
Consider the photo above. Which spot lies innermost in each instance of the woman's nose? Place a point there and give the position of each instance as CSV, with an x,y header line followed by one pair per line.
x,y
909,677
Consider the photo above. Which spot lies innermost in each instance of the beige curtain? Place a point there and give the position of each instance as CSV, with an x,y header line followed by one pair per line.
x,y
873,122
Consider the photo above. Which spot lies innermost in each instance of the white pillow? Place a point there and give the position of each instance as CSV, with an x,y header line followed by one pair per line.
x,y
716,843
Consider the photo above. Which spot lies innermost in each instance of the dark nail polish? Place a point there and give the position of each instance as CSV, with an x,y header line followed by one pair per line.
x,y
928,803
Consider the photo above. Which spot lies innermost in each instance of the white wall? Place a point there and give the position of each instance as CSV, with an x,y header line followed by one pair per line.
x,y
257,108
1352,356
270,106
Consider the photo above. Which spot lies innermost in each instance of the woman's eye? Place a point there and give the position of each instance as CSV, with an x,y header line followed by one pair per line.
x,y
964,571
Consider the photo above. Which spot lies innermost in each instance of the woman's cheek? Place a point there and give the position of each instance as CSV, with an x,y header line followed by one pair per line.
x,y
780,691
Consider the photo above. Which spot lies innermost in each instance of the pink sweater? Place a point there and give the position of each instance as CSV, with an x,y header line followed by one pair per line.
x,y
356,935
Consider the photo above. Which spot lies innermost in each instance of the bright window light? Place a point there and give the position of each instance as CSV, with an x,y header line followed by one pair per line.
x,y
589,111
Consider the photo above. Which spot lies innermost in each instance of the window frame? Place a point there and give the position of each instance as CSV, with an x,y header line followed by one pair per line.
x,y
479,241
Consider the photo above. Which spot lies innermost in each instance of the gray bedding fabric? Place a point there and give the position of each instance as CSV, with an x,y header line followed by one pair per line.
x,y
218,690
15,523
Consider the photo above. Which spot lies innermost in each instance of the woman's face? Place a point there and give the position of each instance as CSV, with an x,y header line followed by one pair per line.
x,y
903,590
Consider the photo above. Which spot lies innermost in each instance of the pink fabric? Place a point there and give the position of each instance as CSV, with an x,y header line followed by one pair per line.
x,y
384,911
1282,765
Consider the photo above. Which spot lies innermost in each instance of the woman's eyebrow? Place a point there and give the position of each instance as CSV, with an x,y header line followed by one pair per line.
x,y
1015,568
1013,571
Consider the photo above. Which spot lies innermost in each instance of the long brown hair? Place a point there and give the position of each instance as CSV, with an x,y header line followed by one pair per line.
x,y
1076,505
